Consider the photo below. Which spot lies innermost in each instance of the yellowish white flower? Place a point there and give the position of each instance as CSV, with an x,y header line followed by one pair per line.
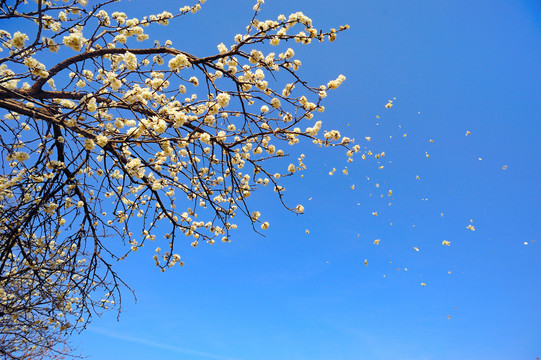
x,y
75,40
178,62
19,39
291,168
130,60
89,144
222,48
223,99
101,140
21,156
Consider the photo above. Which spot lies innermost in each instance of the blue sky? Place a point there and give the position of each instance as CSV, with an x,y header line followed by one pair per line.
x,y
453,67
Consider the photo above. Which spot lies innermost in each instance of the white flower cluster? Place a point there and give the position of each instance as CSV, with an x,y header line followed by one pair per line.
x,y
89,144
222,48
91,105
120,17
75,40
51,44
19,156
7,77
334,84
130,60
110,79
102,140
332,135
223,99
178,62
7,182
315,129
154,123
36,68
19,39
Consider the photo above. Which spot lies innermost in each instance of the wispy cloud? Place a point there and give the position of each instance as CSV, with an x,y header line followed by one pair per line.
x,y
158,345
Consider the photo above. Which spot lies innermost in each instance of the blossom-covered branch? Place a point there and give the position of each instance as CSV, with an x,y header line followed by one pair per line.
x,y
130,144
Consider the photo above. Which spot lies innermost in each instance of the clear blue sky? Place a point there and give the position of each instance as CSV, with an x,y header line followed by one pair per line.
x,y
453,67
